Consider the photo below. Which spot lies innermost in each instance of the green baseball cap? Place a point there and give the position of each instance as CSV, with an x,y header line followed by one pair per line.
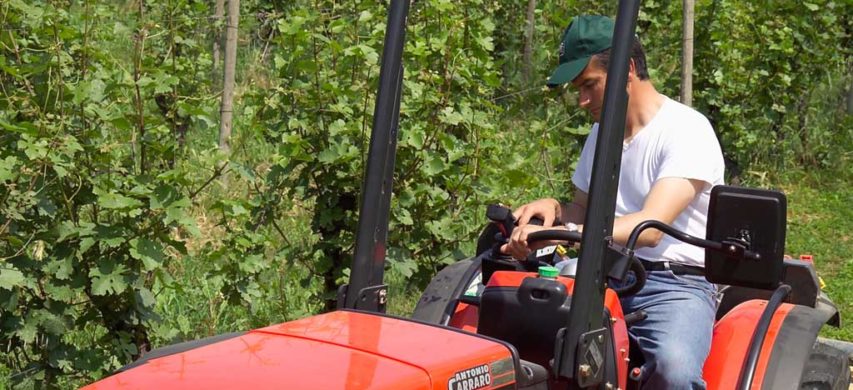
x,y
585,36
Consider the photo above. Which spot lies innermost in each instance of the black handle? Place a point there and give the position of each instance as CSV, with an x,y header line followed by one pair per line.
x,y
562,235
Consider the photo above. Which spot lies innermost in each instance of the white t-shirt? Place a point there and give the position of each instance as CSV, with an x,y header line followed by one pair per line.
x,y
678,142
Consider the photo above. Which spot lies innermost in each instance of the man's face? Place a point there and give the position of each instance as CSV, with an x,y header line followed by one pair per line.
x,y
590,87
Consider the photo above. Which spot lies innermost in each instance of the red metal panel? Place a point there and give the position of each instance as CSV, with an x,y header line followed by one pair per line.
x,y
732,335
441,352
466,317
620,335
339,350
261,361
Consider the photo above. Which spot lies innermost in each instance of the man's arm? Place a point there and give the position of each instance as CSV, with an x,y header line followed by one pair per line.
x,y
666,200
551,211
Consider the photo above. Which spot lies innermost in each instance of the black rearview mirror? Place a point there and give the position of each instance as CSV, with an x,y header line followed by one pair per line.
x,y
755,219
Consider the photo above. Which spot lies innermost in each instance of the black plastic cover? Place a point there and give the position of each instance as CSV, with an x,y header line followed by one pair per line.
x,y
528,316
751,217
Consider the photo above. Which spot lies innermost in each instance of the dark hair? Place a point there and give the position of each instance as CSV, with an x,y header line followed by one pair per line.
x,y
637,54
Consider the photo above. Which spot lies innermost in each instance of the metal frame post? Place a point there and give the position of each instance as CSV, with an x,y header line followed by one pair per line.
x,y
588,301
368,266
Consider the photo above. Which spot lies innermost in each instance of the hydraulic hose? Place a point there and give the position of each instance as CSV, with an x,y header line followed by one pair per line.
x,y
639,280
748,371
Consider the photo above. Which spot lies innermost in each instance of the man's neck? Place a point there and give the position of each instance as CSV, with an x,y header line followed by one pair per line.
x,y
643,104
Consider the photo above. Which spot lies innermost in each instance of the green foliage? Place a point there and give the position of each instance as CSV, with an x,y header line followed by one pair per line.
x,y
91,202
760,70
122,228
450,149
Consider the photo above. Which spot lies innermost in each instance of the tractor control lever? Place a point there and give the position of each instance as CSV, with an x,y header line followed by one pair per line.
x,y
502,217
503,220
634,317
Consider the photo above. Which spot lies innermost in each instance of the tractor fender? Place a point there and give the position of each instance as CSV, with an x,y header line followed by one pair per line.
x,y
784,353
441,297
793,346
828,309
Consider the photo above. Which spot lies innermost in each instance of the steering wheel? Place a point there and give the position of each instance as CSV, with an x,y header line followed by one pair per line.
x,y
571,237
635,264
550,258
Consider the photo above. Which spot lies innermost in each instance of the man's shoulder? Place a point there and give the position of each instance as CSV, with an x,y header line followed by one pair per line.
x,y
683,112
682,121
678,108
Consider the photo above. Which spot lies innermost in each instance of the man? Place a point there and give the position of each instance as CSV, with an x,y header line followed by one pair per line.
x,y
671,159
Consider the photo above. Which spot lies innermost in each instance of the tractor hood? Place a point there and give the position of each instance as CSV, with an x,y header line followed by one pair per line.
x,y
338,350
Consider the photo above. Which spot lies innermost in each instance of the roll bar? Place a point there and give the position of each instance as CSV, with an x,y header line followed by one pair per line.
x,y
366,290
586,317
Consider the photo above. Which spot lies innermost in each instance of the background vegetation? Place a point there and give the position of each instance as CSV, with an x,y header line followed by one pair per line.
x,y
123,227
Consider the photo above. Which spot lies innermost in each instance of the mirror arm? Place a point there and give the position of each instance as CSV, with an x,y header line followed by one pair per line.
x,y
733,247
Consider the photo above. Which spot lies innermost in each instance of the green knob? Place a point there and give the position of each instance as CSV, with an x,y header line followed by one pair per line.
x,y
548,272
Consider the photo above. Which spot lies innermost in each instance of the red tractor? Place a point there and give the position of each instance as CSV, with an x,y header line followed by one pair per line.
x,y
491,323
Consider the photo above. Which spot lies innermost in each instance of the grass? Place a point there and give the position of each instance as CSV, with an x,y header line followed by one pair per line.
x,y
820,223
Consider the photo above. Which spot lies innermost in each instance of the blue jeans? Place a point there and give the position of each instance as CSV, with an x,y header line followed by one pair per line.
x,y
675,338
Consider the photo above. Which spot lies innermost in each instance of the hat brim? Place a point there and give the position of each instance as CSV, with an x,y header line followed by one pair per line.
x,y
567,72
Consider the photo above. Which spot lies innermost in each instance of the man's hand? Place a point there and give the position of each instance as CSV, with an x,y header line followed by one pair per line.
x,y
548,209
518,247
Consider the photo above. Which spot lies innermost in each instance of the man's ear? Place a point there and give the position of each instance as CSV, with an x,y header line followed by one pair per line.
x,y
632,70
